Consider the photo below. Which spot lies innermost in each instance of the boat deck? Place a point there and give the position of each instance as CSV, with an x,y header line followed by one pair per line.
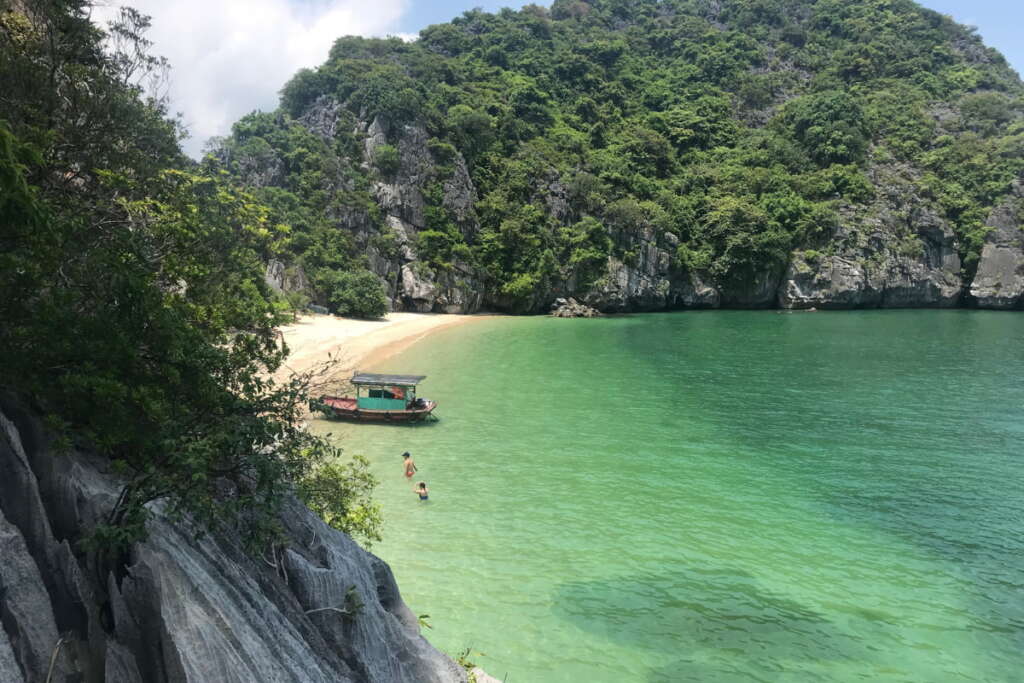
x,y
345,406
340,403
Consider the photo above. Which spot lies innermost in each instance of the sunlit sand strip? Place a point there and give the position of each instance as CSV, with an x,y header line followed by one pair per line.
x,y
357,344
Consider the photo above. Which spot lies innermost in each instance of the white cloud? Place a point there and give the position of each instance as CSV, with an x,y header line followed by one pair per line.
x,y
232,56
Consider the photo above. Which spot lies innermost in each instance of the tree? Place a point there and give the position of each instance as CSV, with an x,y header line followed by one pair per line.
x,y
472,129
302,90
830,125
387,159
340,493
360,294
772,109
135,312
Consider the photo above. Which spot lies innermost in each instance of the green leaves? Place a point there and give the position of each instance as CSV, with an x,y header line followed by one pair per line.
x,y
704,124
143,323
387,159
830,126
341,494
359,294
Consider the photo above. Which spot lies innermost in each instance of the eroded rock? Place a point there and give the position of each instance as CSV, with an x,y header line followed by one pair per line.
x,y
570,308
999,281
895,252
282,278
187,609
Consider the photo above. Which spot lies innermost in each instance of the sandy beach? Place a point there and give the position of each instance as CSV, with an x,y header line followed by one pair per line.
x,y
358,344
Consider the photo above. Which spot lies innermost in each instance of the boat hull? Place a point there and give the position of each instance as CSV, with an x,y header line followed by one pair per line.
x,y
345,408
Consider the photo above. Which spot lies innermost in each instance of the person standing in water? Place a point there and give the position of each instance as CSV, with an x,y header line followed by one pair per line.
x,y
410,466
422,490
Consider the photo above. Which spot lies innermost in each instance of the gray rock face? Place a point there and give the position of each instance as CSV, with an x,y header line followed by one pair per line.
x,y
627,287
758,290
282,278
8,662
322,117
570,308
412,285
460,198
30,631
692,292
419,293
648,282
896,252
186,609
401,196
999,281
825,282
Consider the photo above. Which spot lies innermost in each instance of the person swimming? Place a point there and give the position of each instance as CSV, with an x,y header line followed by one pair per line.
x,y
422,490
410,466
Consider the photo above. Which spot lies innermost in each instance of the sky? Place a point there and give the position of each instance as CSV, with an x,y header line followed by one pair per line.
x,y
229,57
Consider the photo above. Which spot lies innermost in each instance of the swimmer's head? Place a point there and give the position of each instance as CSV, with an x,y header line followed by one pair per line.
x,y
406,455
423,484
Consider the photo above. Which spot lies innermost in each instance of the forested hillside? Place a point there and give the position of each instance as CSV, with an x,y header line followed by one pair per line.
x,y
647,154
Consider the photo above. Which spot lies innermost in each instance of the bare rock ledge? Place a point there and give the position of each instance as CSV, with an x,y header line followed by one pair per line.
x,y
185,609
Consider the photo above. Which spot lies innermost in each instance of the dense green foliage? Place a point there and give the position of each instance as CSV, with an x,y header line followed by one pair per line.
x,y
308,184
735,129
134,309
357,294
340,493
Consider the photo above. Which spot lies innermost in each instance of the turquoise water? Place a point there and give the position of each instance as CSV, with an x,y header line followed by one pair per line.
x,y
716,496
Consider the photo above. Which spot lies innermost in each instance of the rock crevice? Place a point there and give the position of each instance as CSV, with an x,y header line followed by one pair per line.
x,y
187,608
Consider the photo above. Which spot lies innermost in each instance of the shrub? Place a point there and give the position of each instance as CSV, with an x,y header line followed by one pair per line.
x,y
387,159
830,125
340,493
359,294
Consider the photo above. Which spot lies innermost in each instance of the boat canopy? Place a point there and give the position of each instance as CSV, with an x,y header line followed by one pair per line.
x,y
361,378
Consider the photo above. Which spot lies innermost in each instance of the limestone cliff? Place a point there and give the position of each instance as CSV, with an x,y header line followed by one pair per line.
x,y
896,251
412,285
650,155
184,608
999,282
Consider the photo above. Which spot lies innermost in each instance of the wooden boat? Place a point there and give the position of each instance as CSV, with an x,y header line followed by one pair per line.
x,y
382,398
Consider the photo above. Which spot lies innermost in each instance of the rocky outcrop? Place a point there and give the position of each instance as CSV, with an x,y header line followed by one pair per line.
x,y
184,608
626,287
401,195
456,291
648,281
284,279
570,308
999,280
413,285
755,290
323,117
896,252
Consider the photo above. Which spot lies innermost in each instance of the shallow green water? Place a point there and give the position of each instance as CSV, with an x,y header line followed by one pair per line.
x,y
717,496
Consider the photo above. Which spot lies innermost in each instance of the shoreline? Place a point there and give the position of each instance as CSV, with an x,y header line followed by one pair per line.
x,y
356,344
359,344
